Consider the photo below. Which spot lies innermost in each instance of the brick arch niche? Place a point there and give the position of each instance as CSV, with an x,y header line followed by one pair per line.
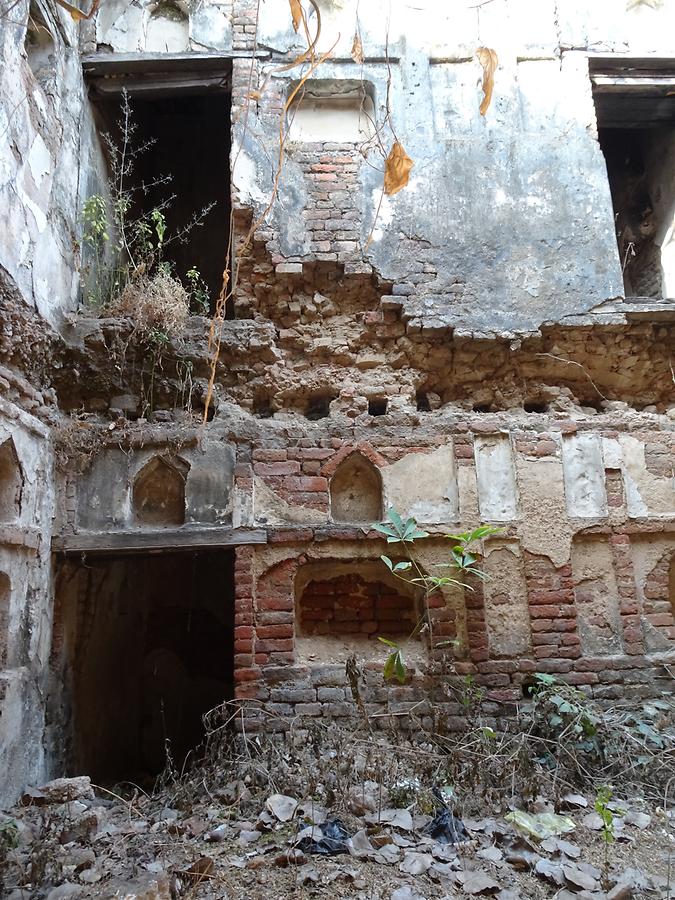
x,y
345,605
159,492
356,492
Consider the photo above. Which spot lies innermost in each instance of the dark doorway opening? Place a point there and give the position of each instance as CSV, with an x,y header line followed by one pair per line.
x,y
181,140
145,650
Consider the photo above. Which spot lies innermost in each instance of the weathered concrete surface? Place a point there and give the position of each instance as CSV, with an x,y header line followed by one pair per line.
x,y
26,598
48,143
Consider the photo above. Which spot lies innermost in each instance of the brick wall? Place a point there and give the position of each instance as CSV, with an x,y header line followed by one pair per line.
x,y
350,605
613,649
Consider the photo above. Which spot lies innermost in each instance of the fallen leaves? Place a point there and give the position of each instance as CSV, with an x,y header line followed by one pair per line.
x,y
296,13
282,807
397,168
489,60
357,49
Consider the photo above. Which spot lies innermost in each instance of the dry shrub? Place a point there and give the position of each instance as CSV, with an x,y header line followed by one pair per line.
x,y
156,302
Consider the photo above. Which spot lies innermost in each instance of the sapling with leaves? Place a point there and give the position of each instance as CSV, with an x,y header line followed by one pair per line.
x,y
462,563
603,797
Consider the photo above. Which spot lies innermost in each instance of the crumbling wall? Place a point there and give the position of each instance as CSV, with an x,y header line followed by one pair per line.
x,y
27,492
452,350
49,156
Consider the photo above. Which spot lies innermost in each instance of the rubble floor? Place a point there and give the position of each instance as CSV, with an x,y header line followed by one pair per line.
x,y
251,825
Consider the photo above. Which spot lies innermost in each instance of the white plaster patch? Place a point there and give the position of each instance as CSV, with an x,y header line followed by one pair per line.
x,y
39,161
424,485
245,179
646,494
584,475
497,493
385,215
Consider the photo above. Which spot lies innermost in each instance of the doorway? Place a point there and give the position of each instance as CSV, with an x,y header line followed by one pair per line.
x,y
145,649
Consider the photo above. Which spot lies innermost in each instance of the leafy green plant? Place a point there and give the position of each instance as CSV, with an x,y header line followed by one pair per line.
x,y
603,797
463,561
198,291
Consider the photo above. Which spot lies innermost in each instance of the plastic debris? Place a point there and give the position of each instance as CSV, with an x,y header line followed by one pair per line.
x,y
446,828
540,825
332,840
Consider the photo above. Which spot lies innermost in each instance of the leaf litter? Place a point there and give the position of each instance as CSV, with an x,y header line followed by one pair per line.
x,y
271,823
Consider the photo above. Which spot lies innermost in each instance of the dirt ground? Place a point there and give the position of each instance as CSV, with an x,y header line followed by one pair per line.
x,y
373,816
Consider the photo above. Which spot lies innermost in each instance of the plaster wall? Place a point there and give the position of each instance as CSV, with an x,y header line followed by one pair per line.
x,y
25,560
49,148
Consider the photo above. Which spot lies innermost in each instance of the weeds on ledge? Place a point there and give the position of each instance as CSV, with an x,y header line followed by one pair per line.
x,y
127,274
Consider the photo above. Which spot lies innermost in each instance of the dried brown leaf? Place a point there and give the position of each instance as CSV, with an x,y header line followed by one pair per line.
x,y
488,60
296,12
357,49
397,168
77,14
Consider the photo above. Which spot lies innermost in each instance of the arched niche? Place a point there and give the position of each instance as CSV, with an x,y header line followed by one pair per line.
x,y
356,492
345,605
168,29
159,492
5,593
11,482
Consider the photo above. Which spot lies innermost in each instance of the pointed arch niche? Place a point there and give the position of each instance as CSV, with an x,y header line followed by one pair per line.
x,y
159,492
356,492
11,482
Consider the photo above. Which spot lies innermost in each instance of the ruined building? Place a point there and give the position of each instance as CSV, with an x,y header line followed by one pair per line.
x,y
186,516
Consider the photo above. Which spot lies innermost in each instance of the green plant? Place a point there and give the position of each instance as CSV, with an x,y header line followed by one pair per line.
x,y
565,718
126,247
198,291
602,798
462,563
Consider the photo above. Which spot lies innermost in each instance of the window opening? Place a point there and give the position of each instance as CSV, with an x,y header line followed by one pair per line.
x,y
377,406
635,109
181,125
318,406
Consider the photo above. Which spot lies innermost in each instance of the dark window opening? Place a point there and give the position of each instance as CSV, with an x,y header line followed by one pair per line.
x,y
592,403
535,406
262,406
422,399
147,650
318,406
635,107
377,406
183,170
